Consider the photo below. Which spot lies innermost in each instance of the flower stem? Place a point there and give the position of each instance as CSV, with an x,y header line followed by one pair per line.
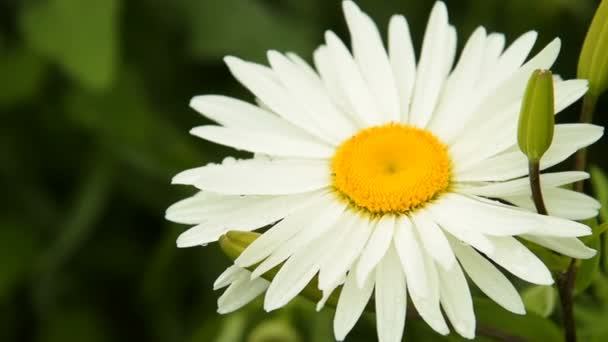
x,y
537,195
565,285
580,162
566,280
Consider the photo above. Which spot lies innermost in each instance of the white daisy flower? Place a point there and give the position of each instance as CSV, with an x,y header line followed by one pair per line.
x,y
388,176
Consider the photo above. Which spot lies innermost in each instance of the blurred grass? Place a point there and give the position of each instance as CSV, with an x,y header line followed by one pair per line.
x,y
93,103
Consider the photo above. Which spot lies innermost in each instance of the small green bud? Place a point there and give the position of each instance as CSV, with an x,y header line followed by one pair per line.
x,y
536,119
593,63
234,242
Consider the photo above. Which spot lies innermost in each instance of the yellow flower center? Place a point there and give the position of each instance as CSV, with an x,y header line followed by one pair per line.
x,y
392,168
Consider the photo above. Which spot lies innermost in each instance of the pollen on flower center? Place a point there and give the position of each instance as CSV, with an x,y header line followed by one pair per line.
x,y
392,168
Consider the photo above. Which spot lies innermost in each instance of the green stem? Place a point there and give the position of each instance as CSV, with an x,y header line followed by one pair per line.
x,y
566,280
580,162
537,194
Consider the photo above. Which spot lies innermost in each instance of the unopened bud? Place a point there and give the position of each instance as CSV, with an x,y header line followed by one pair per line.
x,y
536,119
592,63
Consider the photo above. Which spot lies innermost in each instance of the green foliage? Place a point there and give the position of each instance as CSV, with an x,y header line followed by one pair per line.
x,y
588,269
272,30
530,326
80,36
540,299
18,246
22,73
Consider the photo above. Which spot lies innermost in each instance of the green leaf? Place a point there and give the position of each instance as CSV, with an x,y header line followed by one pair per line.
x,y
80,36
18,246
588,269
233,327
592,63
80,324
274,330
21,75
604,256
540,300
536,118
246,29
530,326
599,182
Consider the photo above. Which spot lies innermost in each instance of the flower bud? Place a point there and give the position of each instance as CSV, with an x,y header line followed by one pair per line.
x,y
592,63
234,242
536,119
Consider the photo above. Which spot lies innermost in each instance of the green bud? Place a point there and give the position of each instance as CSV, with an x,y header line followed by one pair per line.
x,y
233,243
592,63
536,119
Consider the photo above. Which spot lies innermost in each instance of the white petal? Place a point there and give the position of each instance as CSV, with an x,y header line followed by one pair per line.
x,y
391,298
245,213
459,88
430,76
351,304
459,229
323,207
370,55
376,247
233,113
227,277
568,138
303,65
411,257
500,220
517,259
343,255
521,186
328,292
450,50
259,177
193,210
293,276
352,82
515,55
263,84
328,217
456,300
275,144
493,48
309,94
501,128
503,99
568,92
433,239
403,61
301,267
428,307
331,80
571,247
241,292
560,202
488,278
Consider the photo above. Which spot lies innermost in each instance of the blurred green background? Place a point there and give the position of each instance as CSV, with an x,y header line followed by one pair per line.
x,y
94,123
